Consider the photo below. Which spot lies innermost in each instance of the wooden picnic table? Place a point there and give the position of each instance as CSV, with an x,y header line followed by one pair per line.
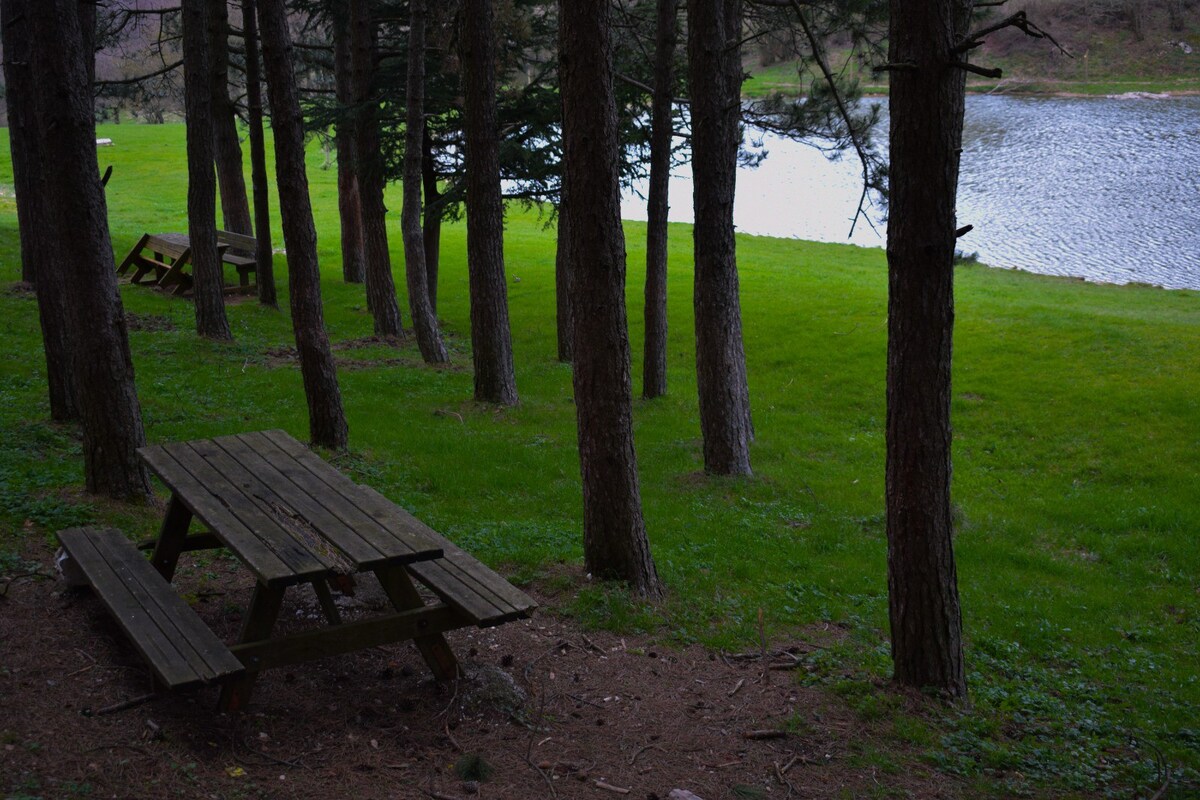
x,y
164,260
291,518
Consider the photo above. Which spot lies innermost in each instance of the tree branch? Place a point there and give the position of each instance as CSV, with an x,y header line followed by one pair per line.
x,y
140,78
993,72
863,157
1019,21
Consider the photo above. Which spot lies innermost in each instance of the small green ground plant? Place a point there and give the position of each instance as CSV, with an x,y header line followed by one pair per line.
x,y
1076,473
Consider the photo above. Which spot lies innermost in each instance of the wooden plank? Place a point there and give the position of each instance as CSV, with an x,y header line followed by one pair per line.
x,y
197,541
220,519
178,645
348,637
146,264
243,495
460,578
393,533
172,245
281,481
239,240
123,267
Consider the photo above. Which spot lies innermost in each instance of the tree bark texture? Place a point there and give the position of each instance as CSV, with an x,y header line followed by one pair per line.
x,y
354,254
565,325
207,290
78,244
662,128
431,225
22,142
326,419
235,206
614,532
429,339
491,338
87,31
926,138
381,287
25,147
715,67
264,256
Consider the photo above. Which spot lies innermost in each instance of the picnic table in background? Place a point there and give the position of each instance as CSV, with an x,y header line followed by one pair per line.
x,y
290,518
164,260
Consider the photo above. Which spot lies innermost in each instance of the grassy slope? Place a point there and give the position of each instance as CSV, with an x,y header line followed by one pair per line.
x,y
1106,57
1075,413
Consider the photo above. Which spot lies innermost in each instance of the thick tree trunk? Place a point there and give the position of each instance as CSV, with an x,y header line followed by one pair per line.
x,y
654,365
264,256
715,66
77,237
354,254
564,323
429,340
431,225
926,136
614,533
326,420
202,187
491,339
235,207
381,287
25,146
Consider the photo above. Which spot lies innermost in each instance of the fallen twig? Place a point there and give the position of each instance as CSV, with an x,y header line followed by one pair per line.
x,y
609,787
737,687
133,702
783,779
450,736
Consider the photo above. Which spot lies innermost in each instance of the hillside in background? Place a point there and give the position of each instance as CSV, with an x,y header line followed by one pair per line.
x,y
1110,41
1114,46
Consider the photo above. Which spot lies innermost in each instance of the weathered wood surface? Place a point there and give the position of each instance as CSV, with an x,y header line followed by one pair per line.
x,y
169,259
289,515
462,581
179,647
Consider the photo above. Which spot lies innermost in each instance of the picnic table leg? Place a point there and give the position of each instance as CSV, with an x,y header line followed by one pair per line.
x,y
433,647
259,622
325,598
171,537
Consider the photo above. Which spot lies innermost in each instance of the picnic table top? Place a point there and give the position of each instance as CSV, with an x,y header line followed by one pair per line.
x,y
285,512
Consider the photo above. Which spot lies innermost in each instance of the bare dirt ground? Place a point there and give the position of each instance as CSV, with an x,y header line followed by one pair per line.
x,y
547,711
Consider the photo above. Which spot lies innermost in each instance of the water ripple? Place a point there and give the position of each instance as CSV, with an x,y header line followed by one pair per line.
x,y
1103,189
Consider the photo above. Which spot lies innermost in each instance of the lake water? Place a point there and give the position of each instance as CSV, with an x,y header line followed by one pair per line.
x,y
1106,189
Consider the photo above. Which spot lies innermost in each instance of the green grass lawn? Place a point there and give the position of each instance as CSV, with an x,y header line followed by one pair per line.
x,y
1076,482
1021,78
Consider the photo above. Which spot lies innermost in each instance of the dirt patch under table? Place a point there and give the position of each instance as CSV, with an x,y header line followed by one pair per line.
x,y
548,710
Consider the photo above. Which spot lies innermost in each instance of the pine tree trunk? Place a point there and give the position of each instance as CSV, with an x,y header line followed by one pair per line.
x,y
926,137
25,146
264,256
381,287
614,532
654,366
235,207
354,254
429,340
715,67
431,225
326,420
202,186
564,322
78,244
491,338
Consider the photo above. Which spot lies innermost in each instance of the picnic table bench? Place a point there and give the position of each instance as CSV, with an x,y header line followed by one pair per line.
x,y
290,518
164,260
